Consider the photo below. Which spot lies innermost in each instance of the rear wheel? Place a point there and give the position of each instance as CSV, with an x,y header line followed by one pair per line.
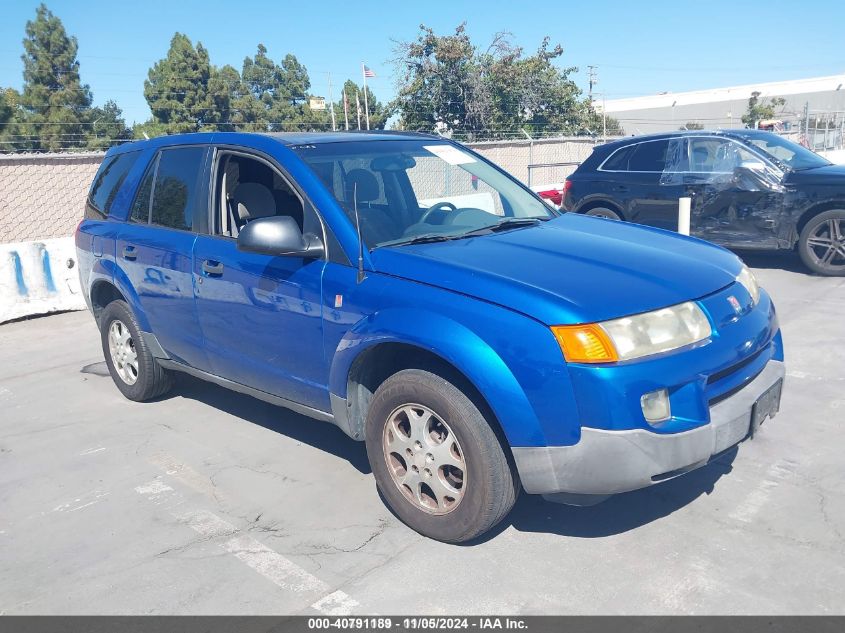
x,y
822,243
603,212
436,459
133,368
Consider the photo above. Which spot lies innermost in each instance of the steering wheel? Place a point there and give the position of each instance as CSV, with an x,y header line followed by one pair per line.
x,y
435,207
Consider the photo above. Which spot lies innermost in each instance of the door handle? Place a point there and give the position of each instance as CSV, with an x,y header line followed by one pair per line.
x,y
621,188
129,253
212,268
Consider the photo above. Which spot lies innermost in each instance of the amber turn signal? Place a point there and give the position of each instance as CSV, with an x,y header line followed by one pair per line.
x,y
585,343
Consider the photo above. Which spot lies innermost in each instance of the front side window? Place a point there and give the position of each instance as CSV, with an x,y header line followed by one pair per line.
x,y
177,186
426,189
107,183
717,155
248,188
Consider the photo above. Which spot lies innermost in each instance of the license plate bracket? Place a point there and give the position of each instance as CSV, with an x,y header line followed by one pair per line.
x,y
767,406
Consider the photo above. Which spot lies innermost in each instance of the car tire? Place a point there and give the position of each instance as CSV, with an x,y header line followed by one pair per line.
x,y
821,244
133,368
464,483
603,212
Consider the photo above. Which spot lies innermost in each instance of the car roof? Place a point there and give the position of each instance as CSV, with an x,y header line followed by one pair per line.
x,y
741,133
288,139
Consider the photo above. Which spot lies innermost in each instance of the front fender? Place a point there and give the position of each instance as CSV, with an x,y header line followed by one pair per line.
x,y
474,354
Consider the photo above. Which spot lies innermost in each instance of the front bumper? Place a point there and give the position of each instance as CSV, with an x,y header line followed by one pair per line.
x,y
607,462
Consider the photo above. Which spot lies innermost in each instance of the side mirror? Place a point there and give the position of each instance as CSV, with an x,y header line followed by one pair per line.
x,y
754,166
278,236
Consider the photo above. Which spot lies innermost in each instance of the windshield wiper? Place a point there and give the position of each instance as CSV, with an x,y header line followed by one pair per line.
x,y
509,223
420,239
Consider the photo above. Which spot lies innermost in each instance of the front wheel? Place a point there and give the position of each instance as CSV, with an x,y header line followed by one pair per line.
x,y
822,243
132,367
603,212
436,459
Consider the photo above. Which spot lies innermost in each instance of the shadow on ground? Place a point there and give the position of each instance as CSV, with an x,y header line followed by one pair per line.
x,y
618,514
783,260
321,435
532,513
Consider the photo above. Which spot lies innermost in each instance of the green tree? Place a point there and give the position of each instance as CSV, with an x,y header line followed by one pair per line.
x,y
107,126
54,111
447,84
55,102
180,91
760,109
379,112
276,95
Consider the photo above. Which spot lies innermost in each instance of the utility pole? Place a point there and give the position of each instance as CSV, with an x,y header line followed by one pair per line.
x,y
331,103
593,78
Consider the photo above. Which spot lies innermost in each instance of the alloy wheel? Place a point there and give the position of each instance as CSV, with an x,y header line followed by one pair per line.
x,y
424,458
123,354
826,244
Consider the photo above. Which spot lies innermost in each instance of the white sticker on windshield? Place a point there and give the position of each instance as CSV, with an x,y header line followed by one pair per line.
x,y
450,154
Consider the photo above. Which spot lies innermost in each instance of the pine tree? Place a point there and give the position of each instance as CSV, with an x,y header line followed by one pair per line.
x,y
55,102
177,90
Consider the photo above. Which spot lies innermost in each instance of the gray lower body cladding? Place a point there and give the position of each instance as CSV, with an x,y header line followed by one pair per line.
x,y
608,462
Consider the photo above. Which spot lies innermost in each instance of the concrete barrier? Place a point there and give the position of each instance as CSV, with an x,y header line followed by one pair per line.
x,y
38,278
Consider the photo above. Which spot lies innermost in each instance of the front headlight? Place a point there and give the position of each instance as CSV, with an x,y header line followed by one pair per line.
x,y
634,336
749,282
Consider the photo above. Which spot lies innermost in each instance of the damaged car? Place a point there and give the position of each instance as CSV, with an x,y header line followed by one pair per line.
x,y
750,189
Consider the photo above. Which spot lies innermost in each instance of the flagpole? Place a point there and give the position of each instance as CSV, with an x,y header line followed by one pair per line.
x,y
345,109
331,103
358,109
366,102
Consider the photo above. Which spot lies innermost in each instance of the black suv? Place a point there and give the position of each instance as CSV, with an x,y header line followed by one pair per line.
x,y
750,190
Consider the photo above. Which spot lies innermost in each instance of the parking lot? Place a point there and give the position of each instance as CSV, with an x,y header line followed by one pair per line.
x,y
212,502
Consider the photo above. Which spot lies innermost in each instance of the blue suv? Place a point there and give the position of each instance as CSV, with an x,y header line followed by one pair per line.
x,y
410,292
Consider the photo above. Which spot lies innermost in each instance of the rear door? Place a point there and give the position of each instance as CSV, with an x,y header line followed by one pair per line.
x,y
654,192
155,248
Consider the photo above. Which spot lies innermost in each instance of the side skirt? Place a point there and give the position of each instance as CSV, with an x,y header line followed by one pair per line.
x,y
249,391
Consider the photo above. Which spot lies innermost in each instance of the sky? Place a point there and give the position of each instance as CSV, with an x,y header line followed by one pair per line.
x,y
640,48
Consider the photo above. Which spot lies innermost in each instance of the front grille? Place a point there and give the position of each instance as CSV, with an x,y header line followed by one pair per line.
x,y
733,368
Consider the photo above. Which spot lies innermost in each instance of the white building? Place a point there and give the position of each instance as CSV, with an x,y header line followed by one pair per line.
x,y
823,97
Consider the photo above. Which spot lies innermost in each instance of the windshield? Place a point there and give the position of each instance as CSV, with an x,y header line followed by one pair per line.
x,y
786,152
420,190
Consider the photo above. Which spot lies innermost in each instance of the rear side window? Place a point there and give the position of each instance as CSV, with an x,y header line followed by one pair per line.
x,y
177,183
618,161
107,183
141,206
649,156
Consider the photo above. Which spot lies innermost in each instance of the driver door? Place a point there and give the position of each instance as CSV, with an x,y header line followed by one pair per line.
x,y
261,316
732,205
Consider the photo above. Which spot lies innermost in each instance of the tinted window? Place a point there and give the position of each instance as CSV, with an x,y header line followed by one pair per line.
x,y
177,183
141,205
107,183
618,161
650,156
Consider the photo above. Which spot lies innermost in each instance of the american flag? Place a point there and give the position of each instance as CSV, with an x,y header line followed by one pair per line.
x,y
368,72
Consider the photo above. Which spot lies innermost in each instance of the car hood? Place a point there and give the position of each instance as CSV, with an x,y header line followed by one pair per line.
x,y
827,175
573,269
